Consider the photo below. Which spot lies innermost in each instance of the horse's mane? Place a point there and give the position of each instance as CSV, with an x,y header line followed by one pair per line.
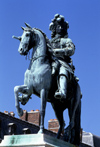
x,y
40,31
47,40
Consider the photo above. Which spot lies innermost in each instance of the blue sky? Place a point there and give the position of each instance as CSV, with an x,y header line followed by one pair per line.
x,y
84,30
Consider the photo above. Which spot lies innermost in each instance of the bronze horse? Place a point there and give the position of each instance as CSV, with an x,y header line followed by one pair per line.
x,y
38,80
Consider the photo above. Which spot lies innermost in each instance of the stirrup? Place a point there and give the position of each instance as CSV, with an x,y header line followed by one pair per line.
x,y
59,95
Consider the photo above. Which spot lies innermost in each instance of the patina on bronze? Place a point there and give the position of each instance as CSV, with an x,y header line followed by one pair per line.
x,y
50,76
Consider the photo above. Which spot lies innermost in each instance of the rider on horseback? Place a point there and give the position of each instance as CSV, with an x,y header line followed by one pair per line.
x,y
62,48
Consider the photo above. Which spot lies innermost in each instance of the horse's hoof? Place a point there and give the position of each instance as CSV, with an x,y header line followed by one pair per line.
x,y
41,131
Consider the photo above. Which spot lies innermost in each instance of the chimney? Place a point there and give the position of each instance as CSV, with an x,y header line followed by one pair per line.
x,y
53,125
34,117
6,112
12,114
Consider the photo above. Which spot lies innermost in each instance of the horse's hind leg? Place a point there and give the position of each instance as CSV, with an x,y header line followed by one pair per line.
x,y
72,114
20,89
43,96
61,123
74,105
59,115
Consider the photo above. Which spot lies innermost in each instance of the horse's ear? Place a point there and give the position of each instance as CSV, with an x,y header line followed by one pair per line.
x,y
27,25
23,28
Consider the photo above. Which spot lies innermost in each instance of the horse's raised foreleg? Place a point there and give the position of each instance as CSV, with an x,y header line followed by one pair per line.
x,y
20,89
43,96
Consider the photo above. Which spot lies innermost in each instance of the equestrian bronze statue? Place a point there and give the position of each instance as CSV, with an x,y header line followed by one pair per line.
x,y
50,76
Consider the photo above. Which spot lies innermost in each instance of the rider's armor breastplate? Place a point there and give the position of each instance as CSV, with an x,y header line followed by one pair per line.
x,y
64,60
56,43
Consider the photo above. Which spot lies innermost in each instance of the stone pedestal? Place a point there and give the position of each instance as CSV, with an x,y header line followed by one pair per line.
x,y
33,140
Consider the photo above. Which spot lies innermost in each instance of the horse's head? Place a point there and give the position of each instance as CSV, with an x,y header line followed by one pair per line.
x,y
26,40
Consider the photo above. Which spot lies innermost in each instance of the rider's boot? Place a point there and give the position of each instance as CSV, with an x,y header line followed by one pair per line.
x,y
62,88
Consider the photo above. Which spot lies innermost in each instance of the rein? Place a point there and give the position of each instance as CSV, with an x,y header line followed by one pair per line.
x,y
35,58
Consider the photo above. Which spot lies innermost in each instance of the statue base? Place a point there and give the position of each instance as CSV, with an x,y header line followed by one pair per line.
x,y
33,140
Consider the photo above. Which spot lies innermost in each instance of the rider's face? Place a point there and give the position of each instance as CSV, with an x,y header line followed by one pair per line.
x,y
59,29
